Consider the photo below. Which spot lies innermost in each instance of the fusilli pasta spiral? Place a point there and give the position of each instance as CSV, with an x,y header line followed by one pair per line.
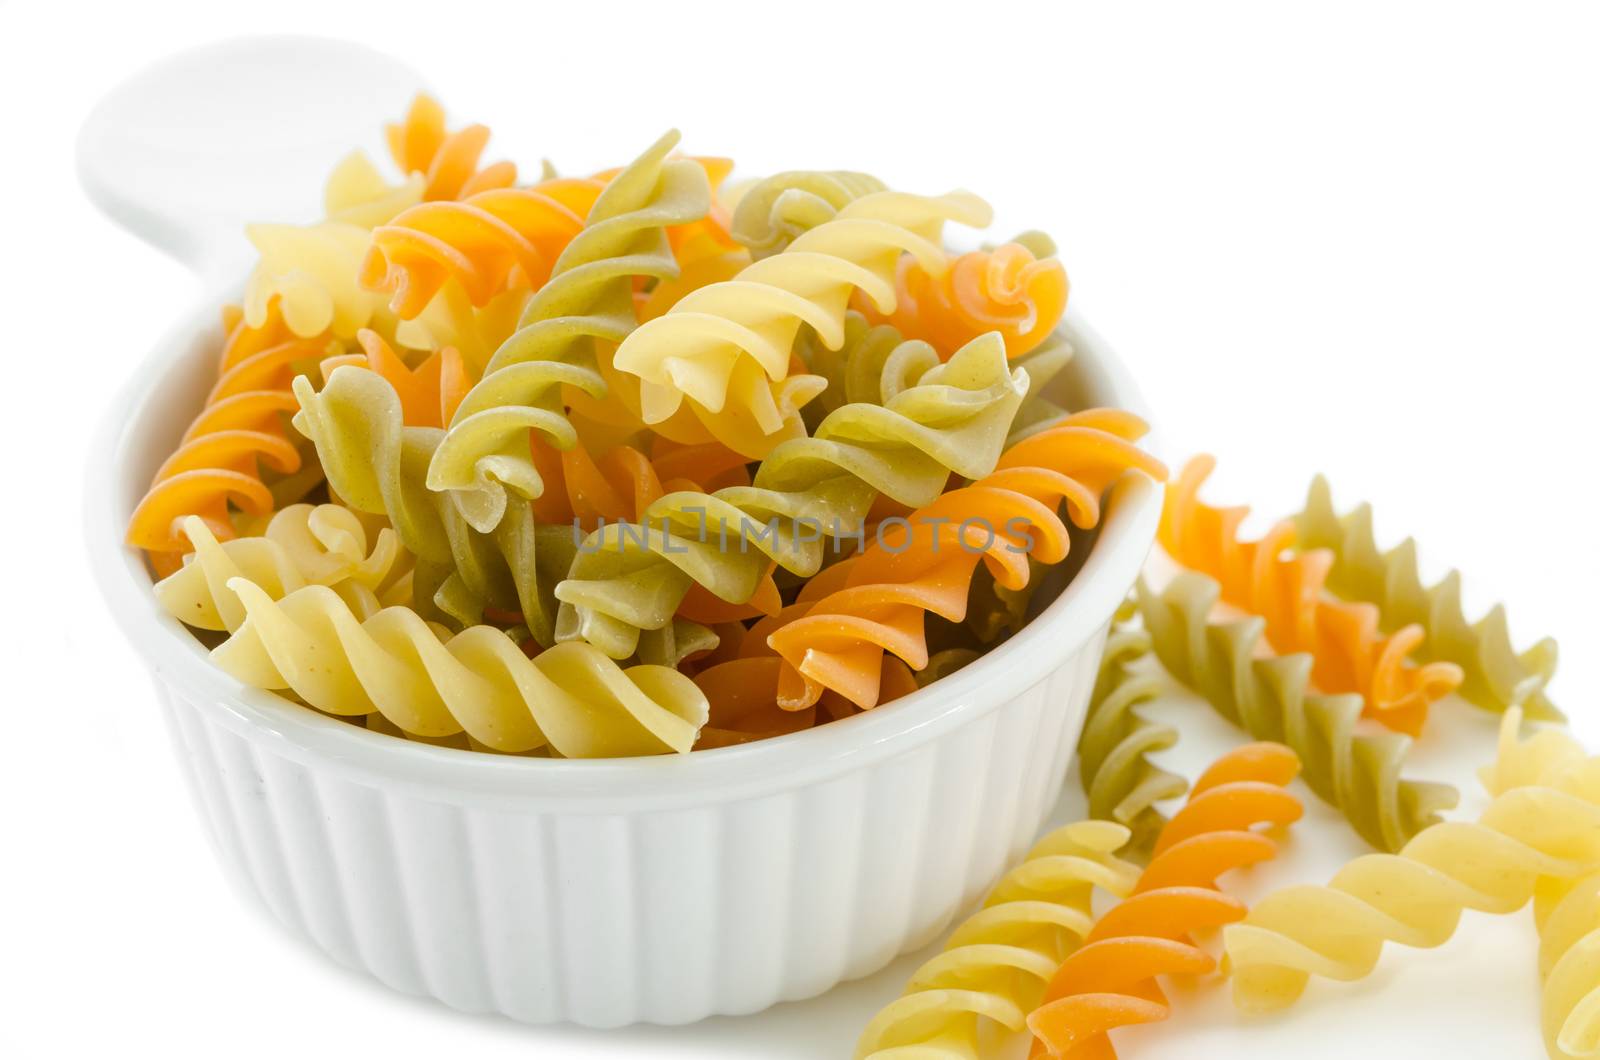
x,y
876,602
1121,782
1268,696
570,697
727,347
1569,962
774,212
1496,675
1348,652
1110,981
588,300
302,544
1006,289
376,464
447,161
630,578
995,965
218,462
1548,827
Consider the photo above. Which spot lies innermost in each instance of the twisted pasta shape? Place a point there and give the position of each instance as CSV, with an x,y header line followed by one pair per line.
x,y
875,602
588,300
1268,696
1496,675
1006,289
485,242
1110,981
776,211
1122,784
447,161
994,966
1348,653
626,579
1546,828
376,464
325,544
1567,909
219,459
569,698
356,193
727,347
1569,963
309,271
429,393
1043,364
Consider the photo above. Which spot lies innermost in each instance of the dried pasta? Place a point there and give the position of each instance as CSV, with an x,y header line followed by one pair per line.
x,y
587,300
1569,964
1543,828
774,212
569,698
726,349
1269,697
1110,981
1006,289
628,579
1120,780
242,426
376,464
995,965
875,603
301,545
1495,675
446,161
1348,652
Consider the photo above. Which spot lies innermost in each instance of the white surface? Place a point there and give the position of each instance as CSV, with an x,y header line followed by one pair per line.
x,y
1361,240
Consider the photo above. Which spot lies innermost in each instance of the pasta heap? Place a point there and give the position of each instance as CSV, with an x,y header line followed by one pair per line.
x,y
575,467
642,462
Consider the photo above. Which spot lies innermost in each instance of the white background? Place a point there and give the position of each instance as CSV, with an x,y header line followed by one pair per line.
x,y
1360,238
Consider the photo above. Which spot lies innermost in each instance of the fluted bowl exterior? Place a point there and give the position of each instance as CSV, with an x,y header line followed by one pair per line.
x,y
604,893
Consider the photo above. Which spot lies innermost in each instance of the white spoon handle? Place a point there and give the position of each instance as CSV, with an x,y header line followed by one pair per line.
x,y
184,153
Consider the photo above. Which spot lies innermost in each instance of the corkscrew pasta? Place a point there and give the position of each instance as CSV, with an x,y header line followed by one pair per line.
x,y
1547,827
954,420
1110,981
446,161
875,603
218,464
726,348
995,965
587,300
1495,675
1269,696
569,698
1348,653
1006,289
301,545
1114,765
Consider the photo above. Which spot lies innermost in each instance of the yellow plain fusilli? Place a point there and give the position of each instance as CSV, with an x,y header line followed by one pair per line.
x,y
1542,827
429,683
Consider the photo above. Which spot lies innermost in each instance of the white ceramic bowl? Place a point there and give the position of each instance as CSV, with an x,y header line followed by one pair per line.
x,y
610,892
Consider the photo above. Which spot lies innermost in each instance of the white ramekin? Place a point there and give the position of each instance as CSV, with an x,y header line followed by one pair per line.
x,y
611,892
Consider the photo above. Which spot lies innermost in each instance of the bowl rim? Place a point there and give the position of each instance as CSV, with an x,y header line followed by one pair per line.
x,y
180,662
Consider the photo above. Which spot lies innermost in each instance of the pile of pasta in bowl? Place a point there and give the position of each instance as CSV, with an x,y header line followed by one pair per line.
x,y
623,464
